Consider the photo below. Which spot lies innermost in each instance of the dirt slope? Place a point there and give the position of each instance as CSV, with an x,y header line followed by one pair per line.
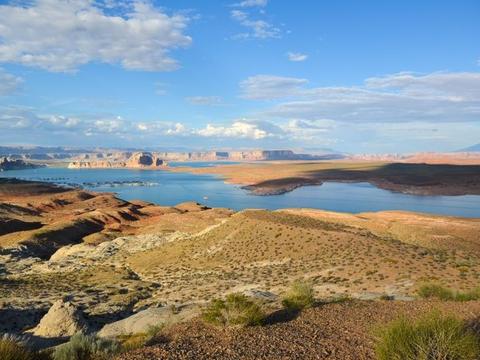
x,y
333,331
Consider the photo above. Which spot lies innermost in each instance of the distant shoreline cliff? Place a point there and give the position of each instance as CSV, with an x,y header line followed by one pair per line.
x,y
139,160
158,160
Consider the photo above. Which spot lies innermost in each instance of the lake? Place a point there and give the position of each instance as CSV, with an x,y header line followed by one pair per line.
x,y
169,188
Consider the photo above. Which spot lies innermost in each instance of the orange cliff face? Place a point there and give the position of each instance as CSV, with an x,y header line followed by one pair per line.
x,y
139,160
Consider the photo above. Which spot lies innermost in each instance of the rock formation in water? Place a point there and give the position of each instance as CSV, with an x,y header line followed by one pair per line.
x,y
15,164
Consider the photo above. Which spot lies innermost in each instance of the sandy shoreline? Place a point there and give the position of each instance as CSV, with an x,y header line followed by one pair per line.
x,y
276,178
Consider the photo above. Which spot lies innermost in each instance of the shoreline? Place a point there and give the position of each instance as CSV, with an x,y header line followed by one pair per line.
x,y
268,179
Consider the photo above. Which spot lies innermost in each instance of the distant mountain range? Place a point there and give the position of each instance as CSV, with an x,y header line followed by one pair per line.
x,y
93,156
475,147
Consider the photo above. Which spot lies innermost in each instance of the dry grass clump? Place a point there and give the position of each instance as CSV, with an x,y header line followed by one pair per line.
x,y
138,340
13,348
299,296
236,309
432,290
431,337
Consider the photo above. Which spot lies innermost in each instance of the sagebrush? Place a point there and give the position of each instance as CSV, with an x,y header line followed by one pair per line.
x,y
236,309
432,337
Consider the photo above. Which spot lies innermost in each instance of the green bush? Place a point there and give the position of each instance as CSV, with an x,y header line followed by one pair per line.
x,y
236,309
299,296
431,290
431,337
13,348
86,347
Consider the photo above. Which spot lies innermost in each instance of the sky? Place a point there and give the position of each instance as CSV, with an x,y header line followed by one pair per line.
x,y
353,76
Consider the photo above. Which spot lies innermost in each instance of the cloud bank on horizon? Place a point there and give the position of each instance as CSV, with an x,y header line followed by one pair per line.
x,y
251,73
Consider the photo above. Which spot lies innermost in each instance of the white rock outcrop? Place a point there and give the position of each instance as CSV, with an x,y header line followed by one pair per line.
x,y
62,320
143,320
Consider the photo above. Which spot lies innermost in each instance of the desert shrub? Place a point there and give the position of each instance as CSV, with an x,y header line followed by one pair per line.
x,y
86,347
13,348
468,295
431,290
236,309
431,337
299,296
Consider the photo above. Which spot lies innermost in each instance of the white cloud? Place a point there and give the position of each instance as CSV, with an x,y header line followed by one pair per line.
x,y
156,128
177,129
108,126
204,100
260,29
266,87
61,35
238,129
252,3
401,97
296,57
8,83
62,121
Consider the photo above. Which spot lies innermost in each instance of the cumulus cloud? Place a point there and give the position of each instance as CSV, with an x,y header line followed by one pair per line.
x,y
20,118
252,3
61,35
296,57
204,100
161,128
306,129
238,129
267,87
401,97
8,83
260,29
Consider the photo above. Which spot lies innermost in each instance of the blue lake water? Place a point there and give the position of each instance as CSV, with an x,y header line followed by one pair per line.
x,y
168,188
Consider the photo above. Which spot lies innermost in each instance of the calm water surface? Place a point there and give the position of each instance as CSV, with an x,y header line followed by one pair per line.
x,y
168,188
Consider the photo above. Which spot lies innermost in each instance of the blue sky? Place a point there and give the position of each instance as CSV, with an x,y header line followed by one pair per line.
x,y
355,76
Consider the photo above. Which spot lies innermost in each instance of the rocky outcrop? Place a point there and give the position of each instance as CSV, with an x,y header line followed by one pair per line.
x,y
62,320
145,159
151,317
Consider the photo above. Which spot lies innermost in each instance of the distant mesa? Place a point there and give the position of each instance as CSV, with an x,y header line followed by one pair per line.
x,y
138,160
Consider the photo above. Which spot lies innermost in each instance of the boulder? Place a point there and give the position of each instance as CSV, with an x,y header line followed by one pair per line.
x,y
62,320
145,319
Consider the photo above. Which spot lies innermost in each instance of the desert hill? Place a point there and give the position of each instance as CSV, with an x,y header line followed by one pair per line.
x,y
266,250
114,258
